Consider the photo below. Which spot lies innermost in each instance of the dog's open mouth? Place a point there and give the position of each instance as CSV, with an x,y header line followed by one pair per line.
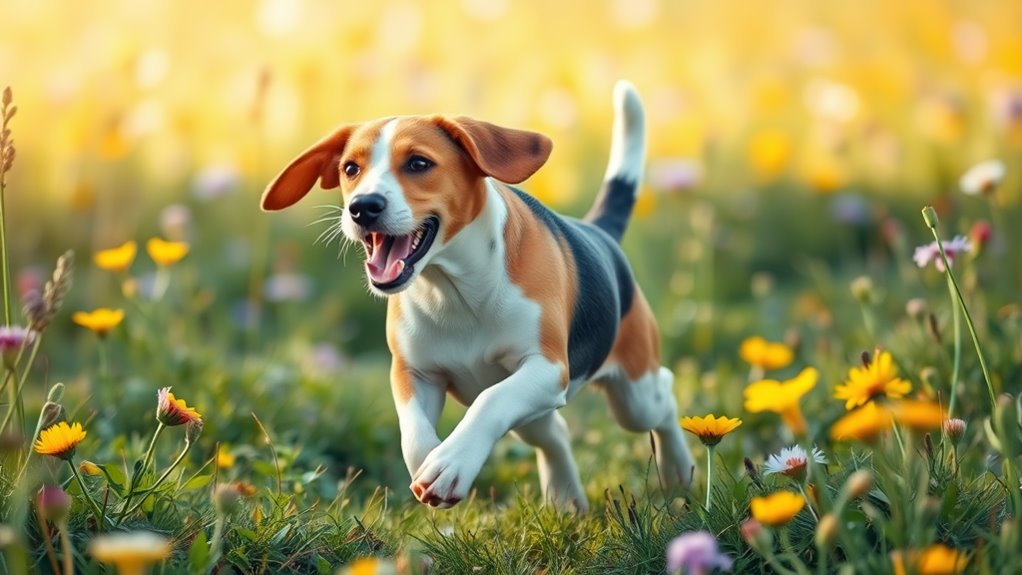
x,y
390,259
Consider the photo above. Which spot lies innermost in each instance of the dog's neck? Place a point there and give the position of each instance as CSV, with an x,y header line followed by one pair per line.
x,y
469,271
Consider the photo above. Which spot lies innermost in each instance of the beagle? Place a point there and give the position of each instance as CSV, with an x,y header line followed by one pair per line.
x,y
493,298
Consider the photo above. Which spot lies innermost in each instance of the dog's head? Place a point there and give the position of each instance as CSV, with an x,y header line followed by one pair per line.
x,y
409,184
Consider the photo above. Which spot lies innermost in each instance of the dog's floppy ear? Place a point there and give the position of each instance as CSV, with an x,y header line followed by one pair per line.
x,y
320,162
503,153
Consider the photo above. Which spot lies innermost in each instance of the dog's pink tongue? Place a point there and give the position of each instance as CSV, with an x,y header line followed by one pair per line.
x,y
387,262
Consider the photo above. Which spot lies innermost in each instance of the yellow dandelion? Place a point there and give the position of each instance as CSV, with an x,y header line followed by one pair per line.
x,y
918,415
166,253
782,397
709,429
777,508
60,440
224,458
934,560
116,259
100,320
863,424
879,378
766,355
172,411
132,552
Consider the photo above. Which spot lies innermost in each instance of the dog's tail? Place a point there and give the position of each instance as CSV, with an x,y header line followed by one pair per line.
x,y
614,204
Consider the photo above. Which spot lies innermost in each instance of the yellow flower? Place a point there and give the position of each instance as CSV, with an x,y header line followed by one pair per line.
x,y
710,429
934,560
782,397
172,411
89,468
117,259
166,253
919,415
130,552
60,440
224,458
100,320
777,508
863,424
769,152
866,383
766,355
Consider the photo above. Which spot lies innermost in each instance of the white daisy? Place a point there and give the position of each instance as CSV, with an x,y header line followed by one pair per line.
x,y
931,253
982,178
793,462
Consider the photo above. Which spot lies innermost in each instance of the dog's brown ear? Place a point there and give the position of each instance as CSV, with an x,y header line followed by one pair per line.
x,y
320,162
503,153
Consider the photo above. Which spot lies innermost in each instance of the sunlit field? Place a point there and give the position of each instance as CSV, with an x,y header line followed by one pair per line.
x,y
803,158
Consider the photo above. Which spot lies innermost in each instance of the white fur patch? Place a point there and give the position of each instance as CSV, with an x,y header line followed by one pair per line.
x,y
628,143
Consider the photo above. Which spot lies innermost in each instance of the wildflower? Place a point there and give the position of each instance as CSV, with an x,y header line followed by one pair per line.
x,y
982,178
166,253
777,508
782,397
224,458
100,320
754,534
131,552
919,415
193,429
116,259
862,289
826,530
980,234
696,552
60,440
89,468
769,152
227,495
793,462
955,429
916,308
766,355
172,411
859,483
931,252
12,340
934,560
879,378
53,503
710,429
863,424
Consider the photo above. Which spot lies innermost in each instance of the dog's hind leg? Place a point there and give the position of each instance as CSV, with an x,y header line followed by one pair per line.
x,y
648,404
558,474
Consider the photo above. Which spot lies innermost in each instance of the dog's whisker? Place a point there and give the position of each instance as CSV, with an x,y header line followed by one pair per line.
x,y
325,219
333,207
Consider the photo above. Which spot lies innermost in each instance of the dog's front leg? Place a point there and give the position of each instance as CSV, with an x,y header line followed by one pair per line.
x,y
447,474
419,403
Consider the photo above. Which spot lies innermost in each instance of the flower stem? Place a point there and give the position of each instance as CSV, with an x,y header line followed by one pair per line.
x,y
957,322
709,475
50,553
4,262
162,478
789,553
809,502
135,477
19,382
66,549
218,534
100,519
965,310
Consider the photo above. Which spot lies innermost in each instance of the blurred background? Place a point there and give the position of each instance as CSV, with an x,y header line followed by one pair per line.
x,y
791,145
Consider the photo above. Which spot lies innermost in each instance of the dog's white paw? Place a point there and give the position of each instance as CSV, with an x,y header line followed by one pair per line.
x,y
447,475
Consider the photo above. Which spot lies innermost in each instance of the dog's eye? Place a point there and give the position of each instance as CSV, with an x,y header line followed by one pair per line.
x,y
418,164
351,169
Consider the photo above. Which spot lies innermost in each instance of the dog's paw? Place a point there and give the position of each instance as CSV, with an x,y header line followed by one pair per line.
x,y
446,476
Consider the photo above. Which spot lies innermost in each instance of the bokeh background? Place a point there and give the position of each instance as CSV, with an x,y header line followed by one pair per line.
x,y
791,145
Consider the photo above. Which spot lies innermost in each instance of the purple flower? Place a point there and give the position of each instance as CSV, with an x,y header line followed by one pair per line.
x,y
12,339
696,552
931,253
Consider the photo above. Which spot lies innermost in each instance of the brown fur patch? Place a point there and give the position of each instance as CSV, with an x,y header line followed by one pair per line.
x,y
545,271
453,189
637,347
402,382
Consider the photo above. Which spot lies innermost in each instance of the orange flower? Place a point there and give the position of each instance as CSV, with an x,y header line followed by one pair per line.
x,y
171,411
863,424
934,560
879,378
100,320
766,355
919,415
60,440
166,253
117,259
777,508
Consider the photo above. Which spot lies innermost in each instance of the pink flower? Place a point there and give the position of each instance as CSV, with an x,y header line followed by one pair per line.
x,y
696,552
931,253
12,339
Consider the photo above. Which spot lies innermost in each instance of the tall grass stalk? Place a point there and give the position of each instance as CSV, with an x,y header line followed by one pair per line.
x,y
930,217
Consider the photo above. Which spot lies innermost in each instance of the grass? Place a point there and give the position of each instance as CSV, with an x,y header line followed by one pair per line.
x,y
297,466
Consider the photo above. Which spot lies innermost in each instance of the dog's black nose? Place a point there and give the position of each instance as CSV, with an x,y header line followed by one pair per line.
x,y
366,208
